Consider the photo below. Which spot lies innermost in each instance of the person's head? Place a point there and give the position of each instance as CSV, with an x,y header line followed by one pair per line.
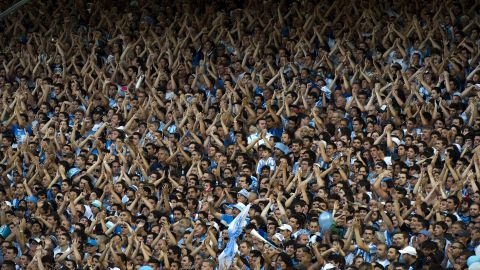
x,y
244,248
208,264
296,221
283,261
261,125
409,255
441,144
314,226
456,248
63,239
400,240
368,234
303,255
382,250
178,213
452,203
8,265
10,253
187,261
474,210
439,229
302,239
392,254
461,260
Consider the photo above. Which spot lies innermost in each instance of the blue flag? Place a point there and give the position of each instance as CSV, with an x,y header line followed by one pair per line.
x,y
234,230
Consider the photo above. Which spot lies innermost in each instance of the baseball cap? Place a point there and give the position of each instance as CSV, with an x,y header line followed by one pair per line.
x,y
69,155
408,250
97,204
109,224
214,224
5,231
279,237
286,227
424,232
32,199
382,164
387,179
227,206
328,266
98,110
35,240
282,147
397,65
244,193
396,140
92,242
72,172
239,206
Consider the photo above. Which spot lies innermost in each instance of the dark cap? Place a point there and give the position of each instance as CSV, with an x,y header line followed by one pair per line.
x,y
98,110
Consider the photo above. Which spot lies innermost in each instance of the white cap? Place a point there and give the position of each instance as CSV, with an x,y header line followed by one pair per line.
x,y
409,250
328,266
279,237
109,224
240,206
214,224
396,140
286,227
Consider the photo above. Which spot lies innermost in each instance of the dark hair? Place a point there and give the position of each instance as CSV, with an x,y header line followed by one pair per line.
x,y
286,259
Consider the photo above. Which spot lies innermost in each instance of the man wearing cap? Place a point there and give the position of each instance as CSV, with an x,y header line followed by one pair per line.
x,y
31,204
280,149
243,196
422,236
278,239
96,207
286,230
91,247
33,244
69,157
409,257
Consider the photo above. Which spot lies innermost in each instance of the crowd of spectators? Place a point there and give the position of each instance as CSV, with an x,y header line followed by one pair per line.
x,y
134,132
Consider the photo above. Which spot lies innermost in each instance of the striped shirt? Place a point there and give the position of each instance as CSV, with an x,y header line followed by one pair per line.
x,y
367,256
